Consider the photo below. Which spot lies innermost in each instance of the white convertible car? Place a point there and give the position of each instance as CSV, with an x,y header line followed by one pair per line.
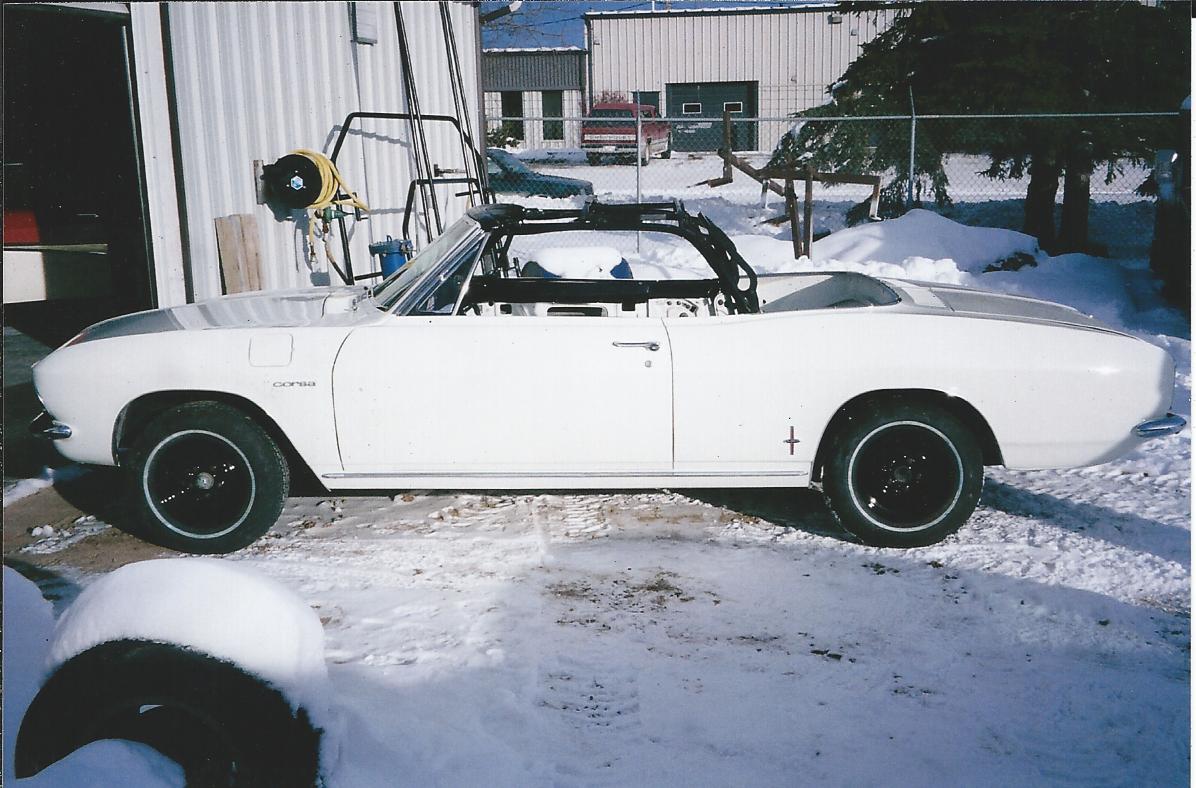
x,y
468,369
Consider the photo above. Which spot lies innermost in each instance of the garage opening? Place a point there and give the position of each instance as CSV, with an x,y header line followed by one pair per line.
x,y
74,217
709,100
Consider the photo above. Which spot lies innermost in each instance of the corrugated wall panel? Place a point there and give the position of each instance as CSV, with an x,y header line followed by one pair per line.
x,y
532,70
792,54
257,80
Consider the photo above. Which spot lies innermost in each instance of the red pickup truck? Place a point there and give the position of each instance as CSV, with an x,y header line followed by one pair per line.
x,y
609,131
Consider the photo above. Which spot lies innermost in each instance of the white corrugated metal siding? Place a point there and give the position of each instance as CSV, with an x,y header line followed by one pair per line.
x,y
254,81
792,54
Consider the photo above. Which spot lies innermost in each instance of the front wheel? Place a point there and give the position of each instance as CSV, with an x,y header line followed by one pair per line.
x,y
206,478
668,151
593,159
903,474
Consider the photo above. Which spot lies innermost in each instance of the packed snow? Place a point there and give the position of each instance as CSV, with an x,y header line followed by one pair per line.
x,y
740,637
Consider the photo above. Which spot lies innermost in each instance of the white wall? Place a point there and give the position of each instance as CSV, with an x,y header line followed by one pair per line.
x,y
254,81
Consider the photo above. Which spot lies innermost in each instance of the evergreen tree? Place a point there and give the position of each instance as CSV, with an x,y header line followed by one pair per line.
x,y
1006,58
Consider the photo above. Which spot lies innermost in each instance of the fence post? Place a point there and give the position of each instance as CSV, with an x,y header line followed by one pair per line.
x,y
913,138
639,143
727,174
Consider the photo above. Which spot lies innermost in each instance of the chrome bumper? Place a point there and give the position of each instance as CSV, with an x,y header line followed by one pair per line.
x,y
44,426
1156,428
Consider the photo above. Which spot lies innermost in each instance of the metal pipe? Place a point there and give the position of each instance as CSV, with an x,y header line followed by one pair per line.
x,y
639,160
913,137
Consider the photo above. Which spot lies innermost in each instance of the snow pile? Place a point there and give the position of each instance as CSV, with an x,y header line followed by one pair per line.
x,y
28,625
923,234
772,256
223,610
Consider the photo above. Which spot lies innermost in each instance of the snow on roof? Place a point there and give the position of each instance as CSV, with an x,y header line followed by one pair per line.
x,y
755,9
527,50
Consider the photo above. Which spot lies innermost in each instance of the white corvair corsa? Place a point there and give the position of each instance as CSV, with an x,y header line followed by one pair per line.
x,y
465,370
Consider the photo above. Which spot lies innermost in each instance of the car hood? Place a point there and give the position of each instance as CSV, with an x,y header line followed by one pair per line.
x,y
980,303
560,180
277,309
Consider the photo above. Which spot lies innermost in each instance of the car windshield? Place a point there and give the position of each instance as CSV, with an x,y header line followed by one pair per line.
x,y
389,291
508,162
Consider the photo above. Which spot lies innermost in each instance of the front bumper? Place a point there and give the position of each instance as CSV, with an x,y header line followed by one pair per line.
x,y
1157,428
44,426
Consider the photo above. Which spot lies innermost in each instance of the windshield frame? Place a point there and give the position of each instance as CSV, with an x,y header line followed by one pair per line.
x,y
404,288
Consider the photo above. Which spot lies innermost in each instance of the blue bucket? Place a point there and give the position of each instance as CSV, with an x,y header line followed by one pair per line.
x,y
392,255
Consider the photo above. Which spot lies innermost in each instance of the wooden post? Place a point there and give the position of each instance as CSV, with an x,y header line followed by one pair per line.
x,y
808,227
794,220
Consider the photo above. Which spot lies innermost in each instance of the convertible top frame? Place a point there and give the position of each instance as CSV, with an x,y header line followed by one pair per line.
x,y
730,269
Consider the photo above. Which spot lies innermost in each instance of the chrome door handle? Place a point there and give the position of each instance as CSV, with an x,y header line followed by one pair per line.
x,y
648,345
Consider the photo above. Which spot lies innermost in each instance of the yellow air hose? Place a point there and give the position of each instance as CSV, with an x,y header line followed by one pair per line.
x,y
331,183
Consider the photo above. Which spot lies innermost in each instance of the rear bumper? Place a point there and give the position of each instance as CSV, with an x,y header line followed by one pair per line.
x,y
1156,428
44,426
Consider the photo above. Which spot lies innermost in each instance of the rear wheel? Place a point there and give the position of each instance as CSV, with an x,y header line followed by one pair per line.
x,y
206,479
668,149
903,474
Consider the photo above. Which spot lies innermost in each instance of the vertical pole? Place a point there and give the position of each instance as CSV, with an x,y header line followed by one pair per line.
x,y
808,224
639,151
913,137
727,174
639,141
794,219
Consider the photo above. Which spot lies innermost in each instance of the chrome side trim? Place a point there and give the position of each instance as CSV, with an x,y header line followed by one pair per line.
x,y
44,426
1155,428
558,475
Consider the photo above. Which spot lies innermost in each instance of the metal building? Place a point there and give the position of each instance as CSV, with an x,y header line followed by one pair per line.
x,y
755,62
197,96
536,83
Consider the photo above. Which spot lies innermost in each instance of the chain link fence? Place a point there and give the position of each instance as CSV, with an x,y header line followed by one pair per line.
x,y
974,169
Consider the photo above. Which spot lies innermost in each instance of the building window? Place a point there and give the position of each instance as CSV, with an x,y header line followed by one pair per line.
x,y
512,107
691,108
651,97
553,103
732,106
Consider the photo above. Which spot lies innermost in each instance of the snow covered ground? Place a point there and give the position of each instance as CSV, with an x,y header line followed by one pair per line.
x,y
740,637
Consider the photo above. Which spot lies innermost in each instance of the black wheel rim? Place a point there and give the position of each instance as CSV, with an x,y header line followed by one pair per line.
x,y
199,484
906,476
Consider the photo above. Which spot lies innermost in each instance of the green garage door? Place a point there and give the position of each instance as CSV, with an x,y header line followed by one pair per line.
x,y
708,100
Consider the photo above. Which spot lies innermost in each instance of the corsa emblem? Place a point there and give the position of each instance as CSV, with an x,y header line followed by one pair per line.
x,y
286,384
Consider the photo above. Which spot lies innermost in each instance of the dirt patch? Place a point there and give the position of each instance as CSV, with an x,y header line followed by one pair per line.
x,y
72,508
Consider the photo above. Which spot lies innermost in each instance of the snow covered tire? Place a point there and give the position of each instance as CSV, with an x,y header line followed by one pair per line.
x,y
223,726
903,473
206,478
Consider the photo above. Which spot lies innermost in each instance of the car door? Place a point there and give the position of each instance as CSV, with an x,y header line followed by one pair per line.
x,y
740,407
533,396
